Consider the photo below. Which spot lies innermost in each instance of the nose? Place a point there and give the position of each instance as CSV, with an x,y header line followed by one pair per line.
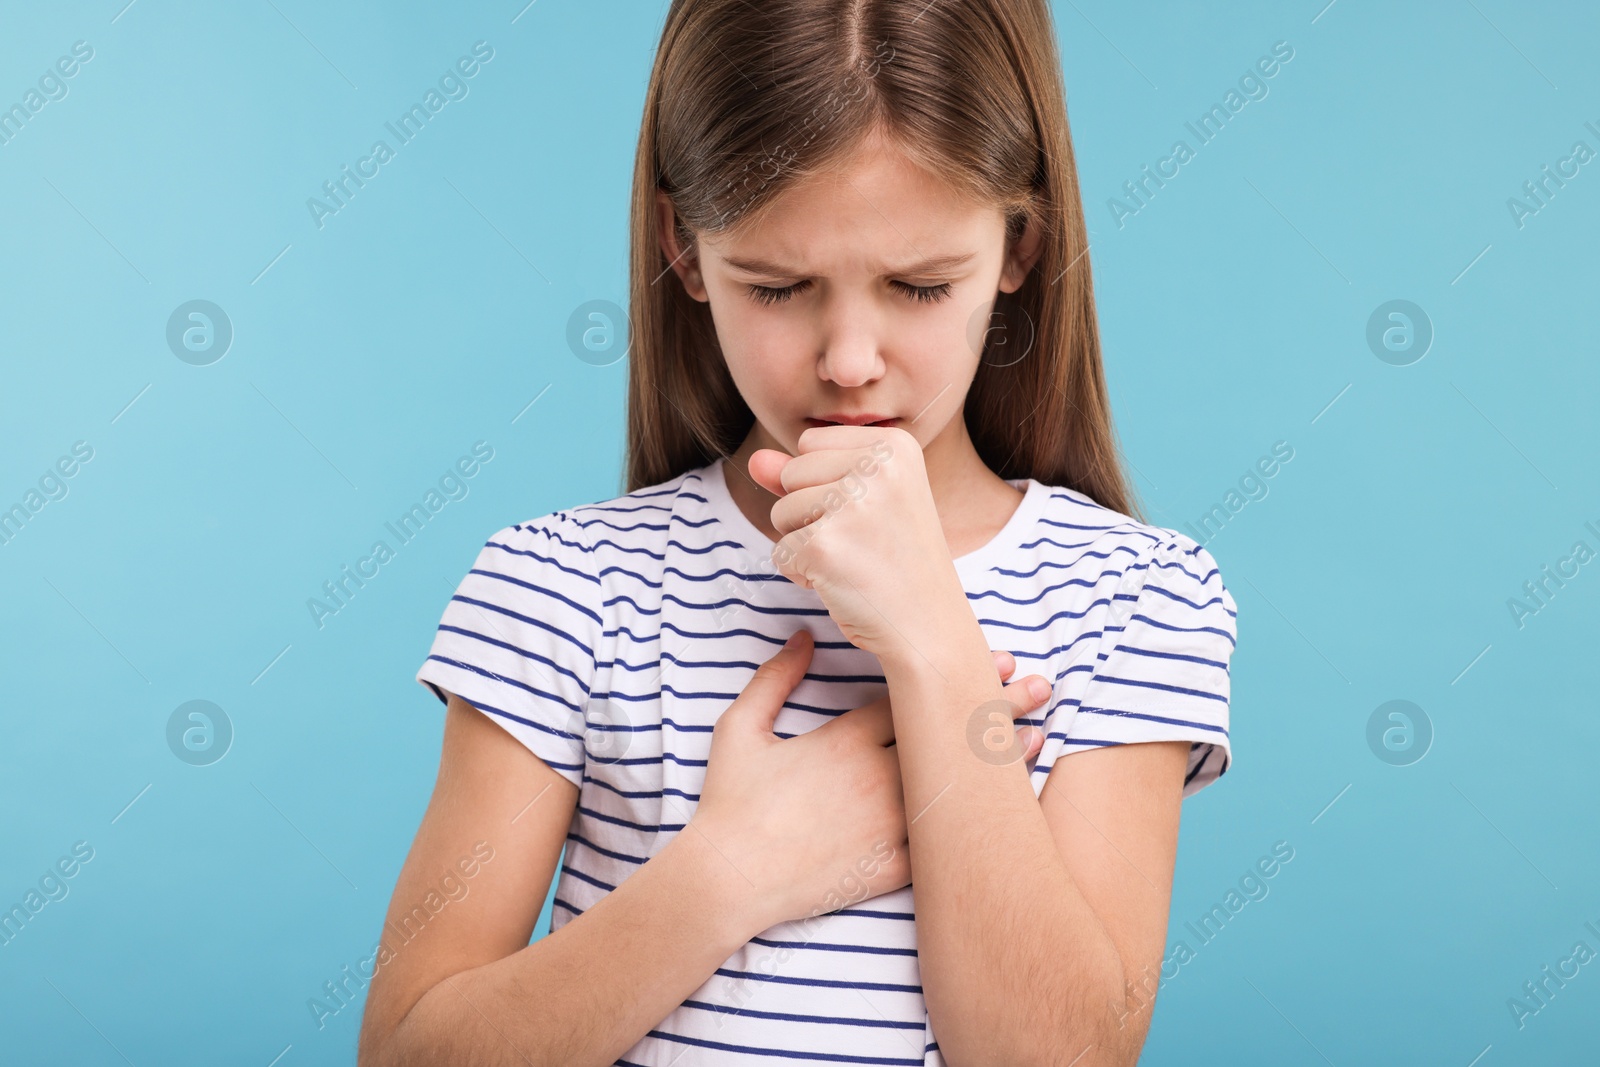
x,y
850,356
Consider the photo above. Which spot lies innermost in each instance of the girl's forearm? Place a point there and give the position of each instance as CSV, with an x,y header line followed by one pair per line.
x,y
1016,966
589,991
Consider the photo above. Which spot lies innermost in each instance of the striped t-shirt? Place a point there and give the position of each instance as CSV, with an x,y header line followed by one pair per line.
x,y
608,638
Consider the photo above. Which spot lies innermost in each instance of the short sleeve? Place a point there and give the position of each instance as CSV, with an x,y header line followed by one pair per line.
x,y
1162,668
518,639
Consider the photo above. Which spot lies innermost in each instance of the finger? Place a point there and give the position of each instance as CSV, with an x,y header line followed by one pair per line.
x,y
1005,663
766,465
1033,738
833,464
1029,736
771,685
818,438
1020,693
802,507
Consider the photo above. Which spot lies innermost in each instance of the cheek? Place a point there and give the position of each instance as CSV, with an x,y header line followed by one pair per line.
x,y
745,329
933,343
766,361
979,330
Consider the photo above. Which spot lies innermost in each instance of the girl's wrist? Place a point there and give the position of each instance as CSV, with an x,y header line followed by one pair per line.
x,y
941,677
936,635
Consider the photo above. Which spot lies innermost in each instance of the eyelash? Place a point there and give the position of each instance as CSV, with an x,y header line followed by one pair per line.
x,y
925,294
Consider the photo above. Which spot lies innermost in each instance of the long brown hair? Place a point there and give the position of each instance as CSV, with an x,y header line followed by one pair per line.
x,y
749,96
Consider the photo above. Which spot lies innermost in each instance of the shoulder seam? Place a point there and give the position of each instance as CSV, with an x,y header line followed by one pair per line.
x,y
597,605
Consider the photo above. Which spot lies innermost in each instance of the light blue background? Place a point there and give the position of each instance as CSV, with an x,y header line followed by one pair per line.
x,y
429,312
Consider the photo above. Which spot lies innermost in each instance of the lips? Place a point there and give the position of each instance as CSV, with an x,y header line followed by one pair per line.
x,y
854,420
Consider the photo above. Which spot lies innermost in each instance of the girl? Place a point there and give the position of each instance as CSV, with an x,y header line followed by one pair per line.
x,y
754,697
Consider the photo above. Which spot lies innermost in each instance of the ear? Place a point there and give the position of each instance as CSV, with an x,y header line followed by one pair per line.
x,y
687,266
1022,255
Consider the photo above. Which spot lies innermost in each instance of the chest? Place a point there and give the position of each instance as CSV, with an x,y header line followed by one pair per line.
x,y
681,650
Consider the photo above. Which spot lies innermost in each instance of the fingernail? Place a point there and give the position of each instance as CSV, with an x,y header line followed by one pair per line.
x,y
1038,688
794,639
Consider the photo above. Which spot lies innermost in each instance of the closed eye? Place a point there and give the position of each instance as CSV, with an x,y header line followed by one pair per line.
x,y
766,294
927,294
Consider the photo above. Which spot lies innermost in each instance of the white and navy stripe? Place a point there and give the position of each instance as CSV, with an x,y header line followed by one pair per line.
x,y
608,638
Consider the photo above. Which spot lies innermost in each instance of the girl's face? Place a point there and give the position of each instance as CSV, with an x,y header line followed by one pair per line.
x,y
859,293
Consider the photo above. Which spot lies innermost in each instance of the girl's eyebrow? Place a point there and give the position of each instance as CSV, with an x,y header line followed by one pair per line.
x,y
930,265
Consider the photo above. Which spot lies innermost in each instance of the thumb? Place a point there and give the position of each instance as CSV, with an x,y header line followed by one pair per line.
x,y
770,686
766,465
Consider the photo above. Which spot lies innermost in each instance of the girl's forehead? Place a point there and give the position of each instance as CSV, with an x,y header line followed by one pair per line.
x,y
883,227
915,261
874,183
